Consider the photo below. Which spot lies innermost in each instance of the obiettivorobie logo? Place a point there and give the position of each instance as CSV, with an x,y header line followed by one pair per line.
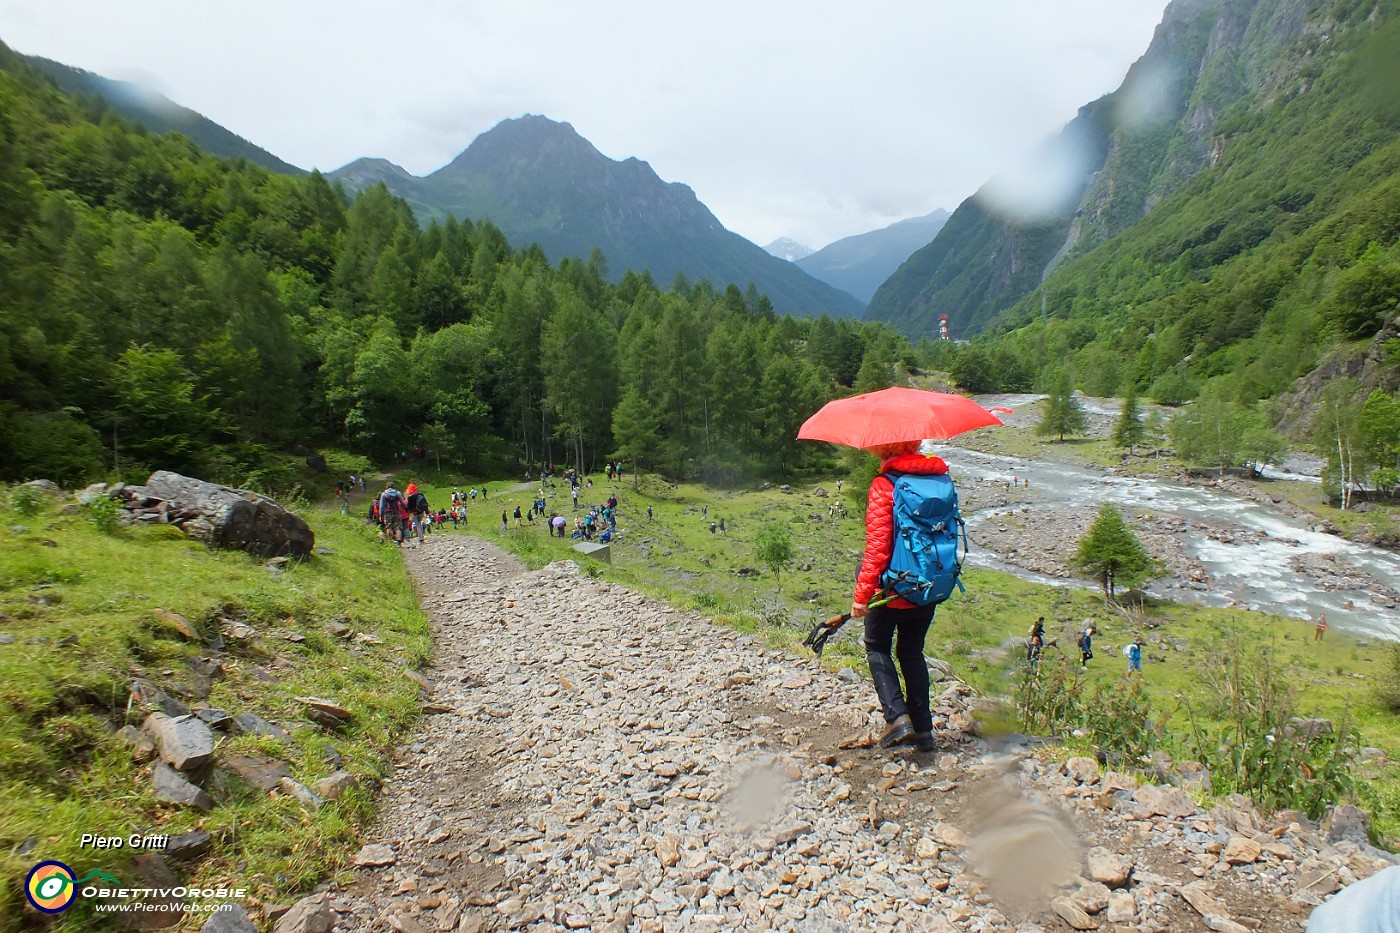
x,y
51,887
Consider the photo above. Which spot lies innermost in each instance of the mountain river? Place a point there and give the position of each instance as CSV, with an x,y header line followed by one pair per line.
x,y
1255,557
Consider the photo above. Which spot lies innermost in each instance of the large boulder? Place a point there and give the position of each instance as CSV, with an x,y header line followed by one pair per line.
x,y
220,516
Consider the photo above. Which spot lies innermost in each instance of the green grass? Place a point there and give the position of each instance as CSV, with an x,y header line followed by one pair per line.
x,y
63,772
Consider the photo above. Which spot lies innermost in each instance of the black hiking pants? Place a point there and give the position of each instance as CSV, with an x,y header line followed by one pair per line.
x,y
882,625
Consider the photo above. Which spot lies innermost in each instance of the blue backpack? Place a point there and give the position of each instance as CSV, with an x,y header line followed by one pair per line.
x,y
930,539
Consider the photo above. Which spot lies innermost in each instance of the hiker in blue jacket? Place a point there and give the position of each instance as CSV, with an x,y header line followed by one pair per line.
x,y
1134,655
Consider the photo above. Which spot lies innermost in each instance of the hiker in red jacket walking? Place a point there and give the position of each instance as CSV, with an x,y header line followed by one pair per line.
x,y
898,623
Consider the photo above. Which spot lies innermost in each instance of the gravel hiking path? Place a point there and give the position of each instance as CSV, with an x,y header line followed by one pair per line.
x,y
598,761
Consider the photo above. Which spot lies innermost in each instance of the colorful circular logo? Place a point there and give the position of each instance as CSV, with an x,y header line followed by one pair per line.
x,y
50,887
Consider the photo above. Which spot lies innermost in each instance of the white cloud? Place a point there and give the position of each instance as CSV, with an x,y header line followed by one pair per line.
x,y
814,119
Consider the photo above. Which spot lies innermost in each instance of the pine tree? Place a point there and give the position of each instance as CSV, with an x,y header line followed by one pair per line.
x,y
1063,413
1130,431
1112,553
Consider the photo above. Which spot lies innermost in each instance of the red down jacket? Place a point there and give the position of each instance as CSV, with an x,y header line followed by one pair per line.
x,y
879,523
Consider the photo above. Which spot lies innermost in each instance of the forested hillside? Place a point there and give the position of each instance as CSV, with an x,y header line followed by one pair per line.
x,y
540,182
163,308
1261,101
1272,274
159,114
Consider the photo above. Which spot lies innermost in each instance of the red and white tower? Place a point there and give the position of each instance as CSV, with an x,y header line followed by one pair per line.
x,y
942,327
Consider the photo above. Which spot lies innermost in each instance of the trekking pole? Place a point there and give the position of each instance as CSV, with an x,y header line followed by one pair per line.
x,y
816,639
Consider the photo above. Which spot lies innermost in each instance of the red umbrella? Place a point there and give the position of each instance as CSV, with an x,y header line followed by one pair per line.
x,y
893,416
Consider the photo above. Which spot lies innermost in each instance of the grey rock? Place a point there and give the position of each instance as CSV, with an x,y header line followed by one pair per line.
x,y
1157,800
1108,867
7,639
308,915
45,485
1347,823
375,855
92,493
143,747
229,918
170,786
334,785
253,724
147,696
229,518
214,718
304,795
1122,907
184,742
266,773
189,845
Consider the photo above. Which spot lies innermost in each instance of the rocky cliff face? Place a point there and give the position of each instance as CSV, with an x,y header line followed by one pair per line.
x,y
1118,159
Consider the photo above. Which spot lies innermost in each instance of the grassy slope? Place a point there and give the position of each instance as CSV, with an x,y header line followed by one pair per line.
x,y
62,770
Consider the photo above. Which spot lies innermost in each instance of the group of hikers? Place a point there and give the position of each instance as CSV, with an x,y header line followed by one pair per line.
x,y
406,516
1036,644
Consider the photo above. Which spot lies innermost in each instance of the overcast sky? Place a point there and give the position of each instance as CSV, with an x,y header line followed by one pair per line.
x,y
814,119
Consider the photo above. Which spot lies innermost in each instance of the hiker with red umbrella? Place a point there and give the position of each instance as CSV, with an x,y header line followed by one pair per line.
x,y
912,535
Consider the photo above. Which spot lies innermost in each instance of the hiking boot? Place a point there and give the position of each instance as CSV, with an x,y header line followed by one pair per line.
x,y
898,731
924,742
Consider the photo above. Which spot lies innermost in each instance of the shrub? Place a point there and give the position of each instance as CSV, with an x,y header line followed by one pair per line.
x,y
105,513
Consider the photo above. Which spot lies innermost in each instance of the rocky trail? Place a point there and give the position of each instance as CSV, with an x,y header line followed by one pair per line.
x,y
602,762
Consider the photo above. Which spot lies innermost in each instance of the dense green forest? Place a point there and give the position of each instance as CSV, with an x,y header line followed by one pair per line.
x,y
163,308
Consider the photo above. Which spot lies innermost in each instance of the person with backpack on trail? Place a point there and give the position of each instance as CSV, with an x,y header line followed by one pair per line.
x,y
392,512
418,509
1035,642
1086,646
900,622
1133,652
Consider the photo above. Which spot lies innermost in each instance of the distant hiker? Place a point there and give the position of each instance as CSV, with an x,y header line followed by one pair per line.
x,y
505,520
1037,628
362,484
1133,652
838,486
704,511
473,493
1086,646
713,528
483,492
648,513
1034,645
558,523
575,495
1321,628
903,471
721,526
517,516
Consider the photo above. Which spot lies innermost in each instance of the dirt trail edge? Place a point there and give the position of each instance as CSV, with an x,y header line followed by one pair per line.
x,y
606,763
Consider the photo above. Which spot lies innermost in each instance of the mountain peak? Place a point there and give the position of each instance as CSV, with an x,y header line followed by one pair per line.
x,y
787,248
